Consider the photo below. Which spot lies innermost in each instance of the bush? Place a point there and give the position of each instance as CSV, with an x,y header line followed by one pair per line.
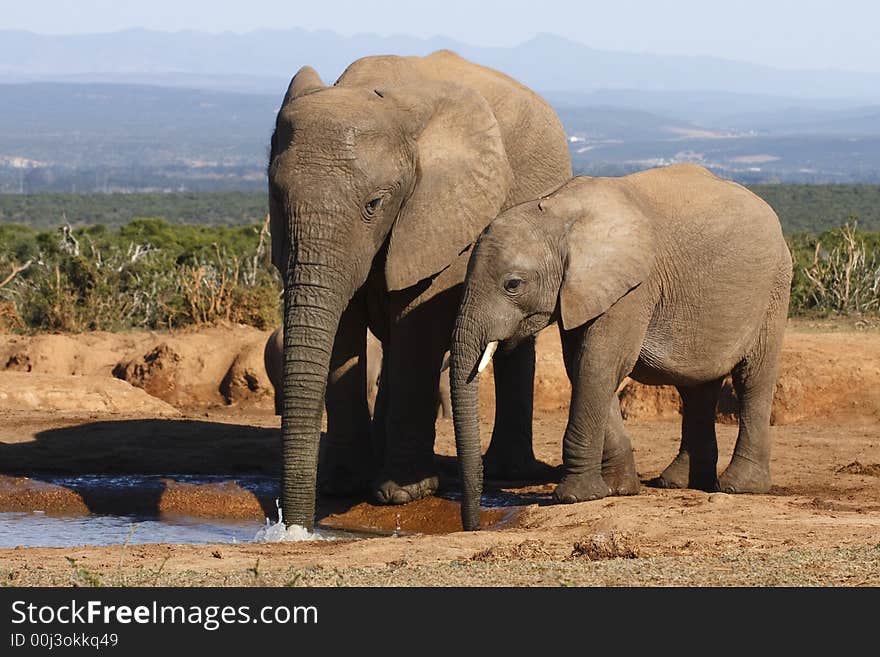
x,y
837,273
147,274
150,274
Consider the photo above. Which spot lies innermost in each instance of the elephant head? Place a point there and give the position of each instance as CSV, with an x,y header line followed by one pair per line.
x,y
569,257
412,172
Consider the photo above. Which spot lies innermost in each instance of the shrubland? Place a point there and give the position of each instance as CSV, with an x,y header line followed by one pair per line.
x,y
151,274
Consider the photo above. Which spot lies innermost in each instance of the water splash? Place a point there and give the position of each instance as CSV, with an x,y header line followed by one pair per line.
x,y
278,532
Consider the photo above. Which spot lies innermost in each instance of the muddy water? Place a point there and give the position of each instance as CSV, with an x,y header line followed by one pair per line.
x,y
138,509
108,524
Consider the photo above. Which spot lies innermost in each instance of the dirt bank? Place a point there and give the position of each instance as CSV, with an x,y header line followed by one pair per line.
x,y
826,372
212,366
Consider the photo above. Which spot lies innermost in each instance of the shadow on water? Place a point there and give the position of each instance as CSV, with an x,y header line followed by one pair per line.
x,y
127,467
160,467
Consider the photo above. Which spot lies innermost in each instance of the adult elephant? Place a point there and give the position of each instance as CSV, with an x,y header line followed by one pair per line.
x,y
378,187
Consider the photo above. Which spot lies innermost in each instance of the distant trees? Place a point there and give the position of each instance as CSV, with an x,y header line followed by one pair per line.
x,y
802,208
213,209
817,208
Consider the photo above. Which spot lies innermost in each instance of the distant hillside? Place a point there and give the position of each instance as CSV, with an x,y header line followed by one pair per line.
x,y
545,62
115,124
65,137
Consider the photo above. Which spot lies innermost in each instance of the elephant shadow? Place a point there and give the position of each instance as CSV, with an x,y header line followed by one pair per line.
x,y
500,493
124,467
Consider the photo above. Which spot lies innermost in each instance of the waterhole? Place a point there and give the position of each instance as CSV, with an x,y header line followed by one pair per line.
x,y
199,509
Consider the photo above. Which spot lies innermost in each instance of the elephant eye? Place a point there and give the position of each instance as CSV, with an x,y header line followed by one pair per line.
x,y
512,285
372,207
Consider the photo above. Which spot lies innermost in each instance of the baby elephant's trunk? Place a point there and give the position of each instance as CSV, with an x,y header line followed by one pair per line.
x,y
467,347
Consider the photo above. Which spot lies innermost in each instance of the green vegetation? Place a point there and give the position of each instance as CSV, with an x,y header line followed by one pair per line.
x,y
207,260
836,273
146,274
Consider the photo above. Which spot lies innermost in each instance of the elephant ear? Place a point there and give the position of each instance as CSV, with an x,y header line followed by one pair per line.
x,y
610,252
463,179
306,81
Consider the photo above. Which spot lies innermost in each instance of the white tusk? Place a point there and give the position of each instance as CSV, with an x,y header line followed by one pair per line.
x,y
487,356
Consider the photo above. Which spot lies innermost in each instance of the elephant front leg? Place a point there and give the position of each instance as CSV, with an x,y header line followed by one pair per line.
x,y
510,455
596,452
618,463
347,463
411,375
592,391
583,445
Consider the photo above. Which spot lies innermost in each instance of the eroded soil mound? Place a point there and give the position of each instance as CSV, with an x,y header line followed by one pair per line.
x,y
77,394
823,374
195,368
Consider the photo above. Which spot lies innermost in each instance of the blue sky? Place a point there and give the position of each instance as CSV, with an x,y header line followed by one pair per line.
x,y
842,34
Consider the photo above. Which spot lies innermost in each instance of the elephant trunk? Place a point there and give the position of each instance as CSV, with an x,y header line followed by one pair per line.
x,y
468,345
315,296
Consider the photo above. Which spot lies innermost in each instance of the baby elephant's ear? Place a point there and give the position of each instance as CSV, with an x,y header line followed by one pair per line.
x,y
609,253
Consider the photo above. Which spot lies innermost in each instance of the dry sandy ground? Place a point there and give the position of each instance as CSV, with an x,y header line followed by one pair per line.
x,y
820,525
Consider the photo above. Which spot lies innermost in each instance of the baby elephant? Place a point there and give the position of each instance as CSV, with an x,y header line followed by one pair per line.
x,y
670,276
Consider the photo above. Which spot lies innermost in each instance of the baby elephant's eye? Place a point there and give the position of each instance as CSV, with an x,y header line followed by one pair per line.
x,y
372,207
513,285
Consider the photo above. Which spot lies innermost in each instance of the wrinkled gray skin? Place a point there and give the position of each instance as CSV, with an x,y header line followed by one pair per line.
x,y
273,355
378,186
670,276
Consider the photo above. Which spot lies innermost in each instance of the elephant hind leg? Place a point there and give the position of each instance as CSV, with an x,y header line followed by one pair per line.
x,y
618,464
695,465
754,381
749,469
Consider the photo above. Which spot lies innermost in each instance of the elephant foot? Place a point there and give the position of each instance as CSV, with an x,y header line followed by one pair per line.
x,y
581,488
390,491
743,476
676,474
515,465
619,472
